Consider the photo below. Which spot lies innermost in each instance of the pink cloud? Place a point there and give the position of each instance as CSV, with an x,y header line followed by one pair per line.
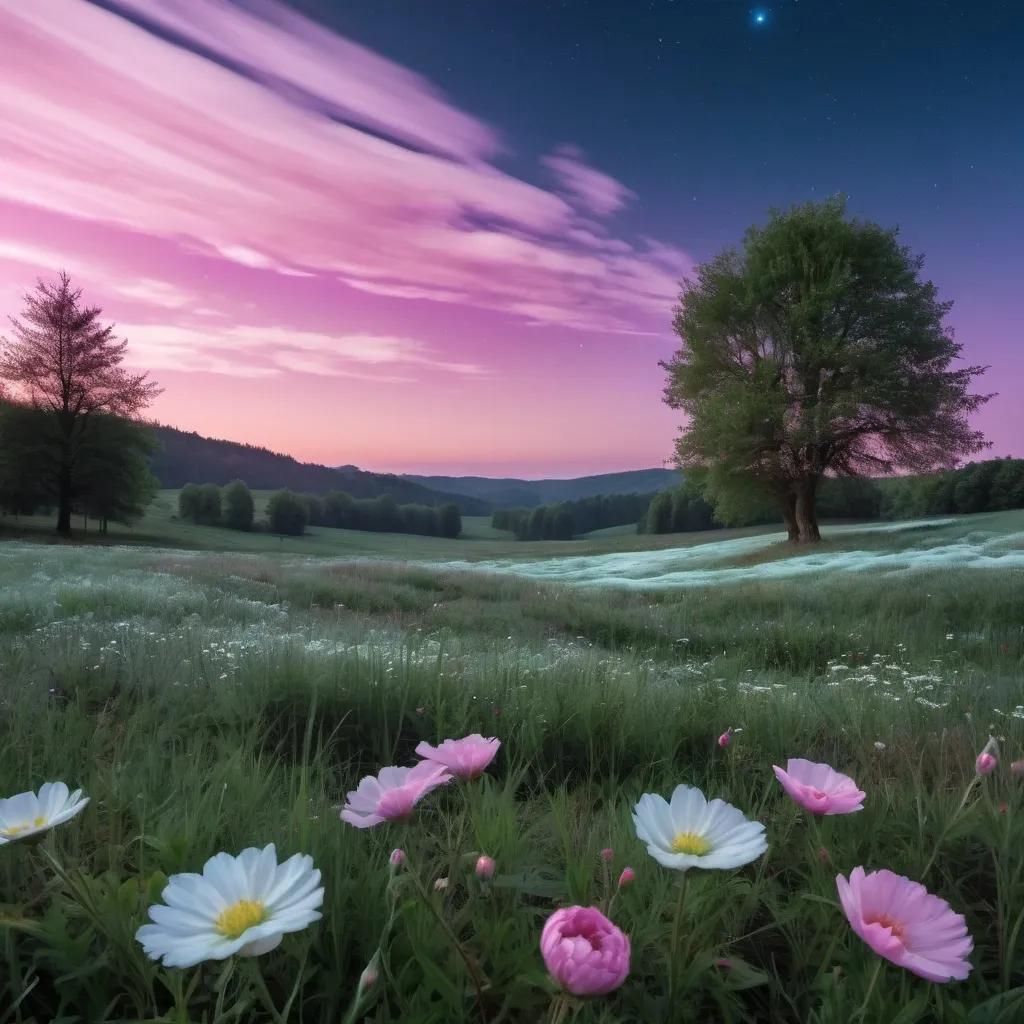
x,y
594,190
106,122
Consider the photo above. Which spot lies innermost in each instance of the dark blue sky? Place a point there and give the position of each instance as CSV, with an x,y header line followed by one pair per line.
x,y
912,108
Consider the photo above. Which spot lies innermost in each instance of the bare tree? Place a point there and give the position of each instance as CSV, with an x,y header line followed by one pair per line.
x,y
62,360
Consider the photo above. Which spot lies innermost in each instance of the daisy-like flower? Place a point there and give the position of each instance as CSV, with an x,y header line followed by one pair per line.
x,y
689,832
902,921
393,794
818,788
466,759
28,814
244,905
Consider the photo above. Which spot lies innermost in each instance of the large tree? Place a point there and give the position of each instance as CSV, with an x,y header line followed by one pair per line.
x,y
64,361
815,351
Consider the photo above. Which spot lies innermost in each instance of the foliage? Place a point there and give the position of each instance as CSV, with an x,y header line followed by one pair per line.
x,y
238,506
259,737
996,485
63,362
816,351
109,476
564,520
287,514
449,520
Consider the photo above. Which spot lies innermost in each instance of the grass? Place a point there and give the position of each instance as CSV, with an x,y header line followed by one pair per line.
x,y
212,701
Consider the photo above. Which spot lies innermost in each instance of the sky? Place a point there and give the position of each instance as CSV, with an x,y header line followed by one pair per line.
x,y
446,236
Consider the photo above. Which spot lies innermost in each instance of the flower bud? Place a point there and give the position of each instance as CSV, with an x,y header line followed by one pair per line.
x,y
724,740
397,858
1017,769
627,876
984,764
440,884
607,854
484,867
368,978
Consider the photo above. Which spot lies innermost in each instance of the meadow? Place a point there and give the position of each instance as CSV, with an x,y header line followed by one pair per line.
x,y
212,701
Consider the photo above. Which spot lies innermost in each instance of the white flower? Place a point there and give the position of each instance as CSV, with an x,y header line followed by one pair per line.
x,y
689,832
27,814
242,904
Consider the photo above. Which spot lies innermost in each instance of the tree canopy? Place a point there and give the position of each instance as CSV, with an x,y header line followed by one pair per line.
x,y
64,363
815,351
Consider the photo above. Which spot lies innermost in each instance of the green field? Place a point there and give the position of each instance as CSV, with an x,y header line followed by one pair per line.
x,y
211,700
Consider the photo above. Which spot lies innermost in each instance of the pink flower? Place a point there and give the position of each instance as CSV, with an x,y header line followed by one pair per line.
x,y
392,795
607,853
819,789
724,740
627,876
466,758
585,953
822,853
397,858
368,978
902,921
988,758
484,867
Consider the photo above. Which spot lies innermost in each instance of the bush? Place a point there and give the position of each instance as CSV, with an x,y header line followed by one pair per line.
x,y
238,506
449,520
287,513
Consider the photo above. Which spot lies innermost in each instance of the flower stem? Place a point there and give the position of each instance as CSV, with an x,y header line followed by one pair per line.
x,y
446,928
268,1000
949,824
871,988
677,927
559,1008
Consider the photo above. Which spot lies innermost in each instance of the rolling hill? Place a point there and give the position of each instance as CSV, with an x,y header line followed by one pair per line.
x,y
190,458
514,493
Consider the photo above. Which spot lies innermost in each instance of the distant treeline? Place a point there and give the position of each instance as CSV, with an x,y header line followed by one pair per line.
x,y
567,519
289,513
186,456
995,485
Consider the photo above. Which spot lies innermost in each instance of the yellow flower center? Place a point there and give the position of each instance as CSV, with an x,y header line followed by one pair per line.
x,y
16,830
234,920
690,842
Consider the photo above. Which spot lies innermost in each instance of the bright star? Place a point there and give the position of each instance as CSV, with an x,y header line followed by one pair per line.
x,y
760,17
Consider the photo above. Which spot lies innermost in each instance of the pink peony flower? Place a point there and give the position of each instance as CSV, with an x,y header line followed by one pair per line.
x,y
585,953
902,921
466,758
819,789
627,876
484,866
724,740
392,795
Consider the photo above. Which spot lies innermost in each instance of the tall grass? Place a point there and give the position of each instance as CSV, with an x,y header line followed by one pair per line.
x,y
212,704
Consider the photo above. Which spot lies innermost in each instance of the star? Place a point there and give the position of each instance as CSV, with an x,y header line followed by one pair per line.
x,y
760,17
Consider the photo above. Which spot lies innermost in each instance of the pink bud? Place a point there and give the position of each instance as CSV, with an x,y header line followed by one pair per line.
x,y
607,853
723,963
724,740
484,867
984,764
627,876
1017,768
822,853
585,953
368,978
397,858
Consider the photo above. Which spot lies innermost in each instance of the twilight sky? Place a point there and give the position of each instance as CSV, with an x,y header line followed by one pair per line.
x,y
447,235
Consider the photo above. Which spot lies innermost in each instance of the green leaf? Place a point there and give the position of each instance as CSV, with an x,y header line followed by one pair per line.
x,y
542,882
1005,1008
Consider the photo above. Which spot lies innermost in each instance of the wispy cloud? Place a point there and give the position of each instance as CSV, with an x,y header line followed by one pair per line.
x,y
594,190
261,351
300,152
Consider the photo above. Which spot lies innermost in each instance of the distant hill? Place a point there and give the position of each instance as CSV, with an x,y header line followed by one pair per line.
x,y
513,493
190,458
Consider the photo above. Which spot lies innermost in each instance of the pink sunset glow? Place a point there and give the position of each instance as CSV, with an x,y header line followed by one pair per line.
x,y
375,292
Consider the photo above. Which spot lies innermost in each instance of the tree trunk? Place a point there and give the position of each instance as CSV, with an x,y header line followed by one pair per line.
x,y
64,503
787,502
806,514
